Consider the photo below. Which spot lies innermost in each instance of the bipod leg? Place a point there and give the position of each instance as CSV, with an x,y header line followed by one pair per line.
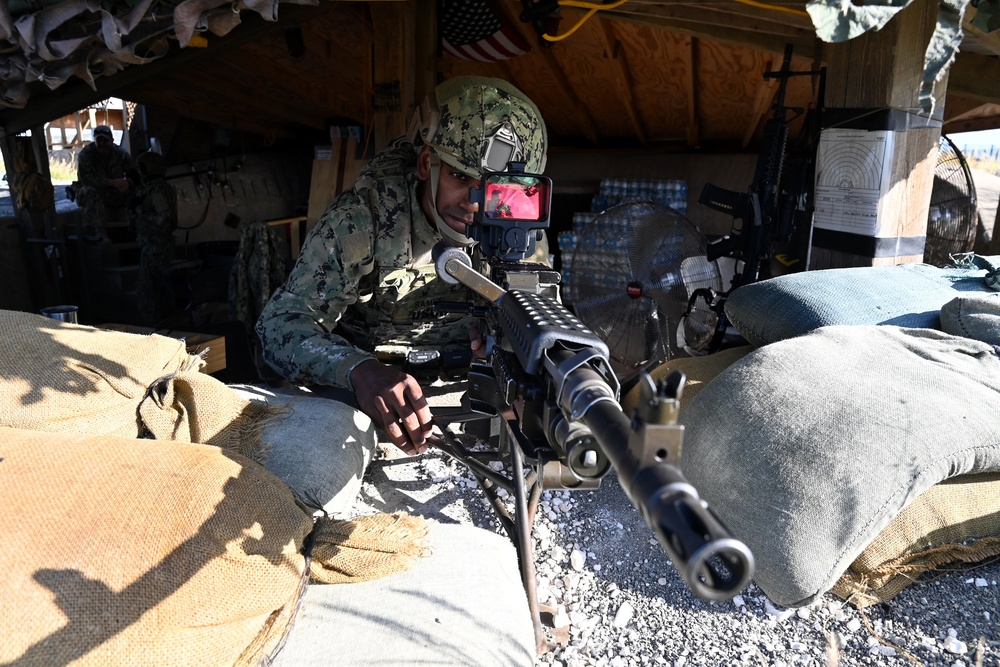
x,y
524,515
526,492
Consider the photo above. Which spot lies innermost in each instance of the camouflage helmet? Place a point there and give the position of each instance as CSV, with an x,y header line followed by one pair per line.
x,y
151,163
477,123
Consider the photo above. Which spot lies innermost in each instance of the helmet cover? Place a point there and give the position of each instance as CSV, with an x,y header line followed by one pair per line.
x,y
151,163
478,124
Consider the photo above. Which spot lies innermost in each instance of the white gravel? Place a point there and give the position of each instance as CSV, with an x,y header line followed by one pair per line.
x,y
624,605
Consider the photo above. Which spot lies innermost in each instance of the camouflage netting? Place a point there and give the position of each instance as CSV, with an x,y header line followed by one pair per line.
x,y
82,38
842,20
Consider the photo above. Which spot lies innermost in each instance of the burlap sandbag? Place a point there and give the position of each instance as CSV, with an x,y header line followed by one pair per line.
x,y
131,551
366,547
954,522
194,407
68,378
699,371
139,552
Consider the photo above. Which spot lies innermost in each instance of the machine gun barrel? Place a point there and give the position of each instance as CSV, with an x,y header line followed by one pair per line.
x,y
714,565
550,344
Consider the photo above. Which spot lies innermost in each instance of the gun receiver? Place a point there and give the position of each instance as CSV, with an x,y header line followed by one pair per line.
x,y
549,386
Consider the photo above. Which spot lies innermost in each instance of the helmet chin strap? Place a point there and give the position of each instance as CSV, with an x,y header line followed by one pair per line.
x,y
446,230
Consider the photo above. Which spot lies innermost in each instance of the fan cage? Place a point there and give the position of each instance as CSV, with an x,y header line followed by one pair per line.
x,y
951,217
635,267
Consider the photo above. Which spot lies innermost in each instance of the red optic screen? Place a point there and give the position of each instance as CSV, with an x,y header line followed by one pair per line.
x,y
515,200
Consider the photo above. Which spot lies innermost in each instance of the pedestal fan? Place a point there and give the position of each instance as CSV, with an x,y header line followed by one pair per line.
x,y
635,267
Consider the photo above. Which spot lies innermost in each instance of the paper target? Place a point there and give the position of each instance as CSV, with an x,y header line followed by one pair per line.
x,y
852,175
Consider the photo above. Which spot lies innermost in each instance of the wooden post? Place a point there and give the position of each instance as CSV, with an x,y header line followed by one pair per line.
x,y
330,176
392,69
875,166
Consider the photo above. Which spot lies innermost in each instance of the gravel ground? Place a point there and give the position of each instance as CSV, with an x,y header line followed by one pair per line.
x,y
619,601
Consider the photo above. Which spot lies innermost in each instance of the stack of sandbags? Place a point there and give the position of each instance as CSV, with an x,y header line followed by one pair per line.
x,y
125,551
67,378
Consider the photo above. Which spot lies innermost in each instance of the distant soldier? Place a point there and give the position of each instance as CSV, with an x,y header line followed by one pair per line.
x,y
154,218
104,177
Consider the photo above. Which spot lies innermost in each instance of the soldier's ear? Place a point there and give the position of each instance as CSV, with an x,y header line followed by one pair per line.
x,y
424,163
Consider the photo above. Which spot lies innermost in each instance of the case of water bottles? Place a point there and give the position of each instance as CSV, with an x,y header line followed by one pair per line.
x,y
614,191
600,247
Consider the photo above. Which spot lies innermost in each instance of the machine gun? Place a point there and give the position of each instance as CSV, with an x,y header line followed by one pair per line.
x,y
548,391
766,214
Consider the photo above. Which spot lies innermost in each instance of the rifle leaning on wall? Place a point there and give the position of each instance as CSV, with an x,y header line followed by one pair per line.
x,y
767,213
550,398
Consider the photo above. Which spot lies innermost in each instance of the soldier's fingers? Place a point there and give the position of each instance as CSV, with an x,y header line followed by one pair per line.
x,y
399,437
414,396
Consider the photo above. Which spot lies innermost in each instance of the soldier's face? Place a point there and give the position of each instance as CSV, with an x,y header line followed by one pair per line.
x,y
453,203
103,144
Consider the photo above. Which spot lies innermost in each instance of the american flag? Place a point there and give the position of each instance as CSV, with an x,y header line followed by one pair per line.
x,y
470,29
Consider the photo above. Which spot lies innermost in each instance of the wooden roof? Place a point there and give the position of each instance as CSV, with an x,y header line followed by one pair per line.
x,y
664,74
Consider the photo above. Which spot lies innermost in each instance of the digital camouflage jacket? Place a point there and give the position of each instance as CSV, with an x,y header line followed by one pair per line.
x,y
93,169
364,282
154,215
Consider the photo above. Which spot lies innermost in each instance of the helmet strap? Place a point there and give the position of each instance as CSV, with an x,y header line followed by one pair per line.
x,y
446,230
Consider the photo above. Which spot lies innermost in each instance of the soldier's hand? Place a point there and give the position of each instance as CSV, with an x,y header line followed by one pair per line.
x,y
477,342
395,402
119,184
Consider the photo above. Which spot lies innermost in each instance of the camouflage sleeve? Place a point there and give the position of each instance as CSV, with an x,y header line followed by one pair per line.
x,y
88,171
296,327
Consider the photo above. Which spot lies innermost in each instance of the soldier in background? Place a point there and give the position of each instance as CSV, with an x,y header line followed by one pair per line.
x,y
105,175
153,215
364,285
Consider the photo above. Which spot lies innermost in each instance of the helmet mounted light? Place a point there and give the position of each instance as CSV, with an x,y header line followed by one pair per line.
x,y
503,146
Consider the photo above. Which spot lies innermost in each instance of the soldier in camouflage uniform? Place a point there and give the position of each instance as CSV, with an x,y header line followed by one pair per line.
x,y
154,218
104,178
365,281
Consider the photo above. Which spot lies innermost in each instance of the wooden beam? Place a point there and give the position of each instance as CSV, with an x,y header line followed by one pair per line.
x,y
965,115
975,76
392,81
690,76
882,70
989,40
739,16
623,78
735,36
425,49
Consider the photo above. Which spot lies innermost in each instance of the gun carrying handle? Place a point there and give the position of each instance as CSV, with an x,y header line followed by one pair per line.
x,y
454,266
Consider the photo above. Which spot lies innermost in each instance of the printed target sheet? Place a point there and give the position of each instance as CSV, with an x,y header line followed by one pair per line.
x,y
852,179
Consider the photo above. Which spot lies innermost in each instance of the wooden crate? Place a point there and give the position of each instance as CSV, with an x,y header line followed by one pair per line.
x,y
213,346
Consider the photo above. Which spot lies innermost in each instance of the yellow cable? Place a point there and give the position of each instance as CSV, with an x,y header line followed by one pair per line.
x,y
590,5
776,8
594,8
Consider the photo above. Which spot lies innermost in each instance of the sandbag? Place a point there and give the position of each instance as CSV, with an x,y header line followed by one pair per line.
x,y
955,522
698,371
126,551
194,407
69,378
807,448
